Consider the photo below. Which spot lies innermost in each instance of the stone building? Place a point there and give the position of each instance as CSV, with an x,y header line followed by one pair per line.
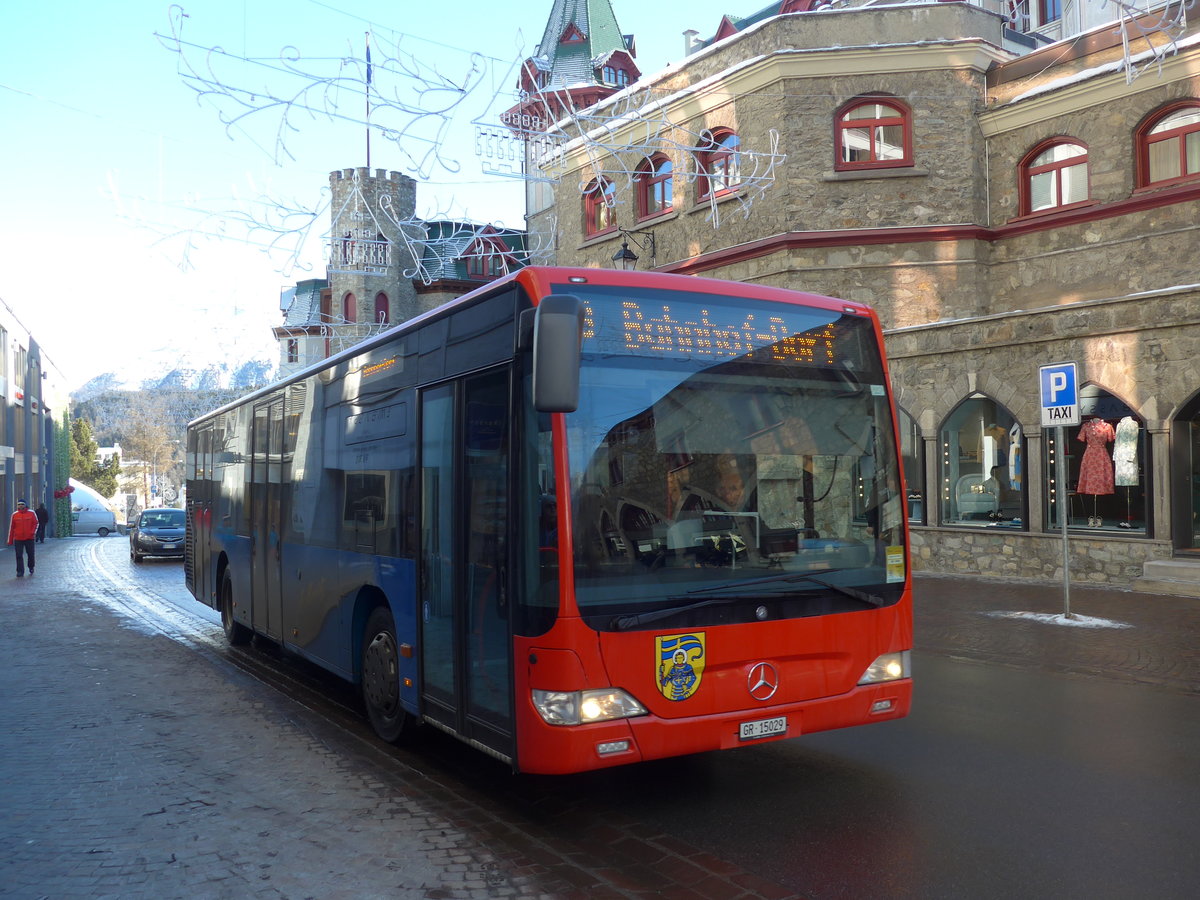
x,y
385,266
1005,202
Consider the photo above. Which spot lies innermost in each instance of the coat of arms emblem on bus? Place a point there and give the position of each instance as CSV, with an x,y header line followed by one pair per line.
x,y
679,664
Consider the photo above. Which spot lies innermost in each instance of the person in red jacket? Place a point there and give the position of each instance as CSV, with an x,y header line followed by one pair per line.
x,y
21,533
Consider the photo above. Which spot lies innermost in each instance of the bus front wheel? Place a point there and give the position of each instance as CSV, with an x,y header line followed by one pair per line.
x,y
235,632
381,676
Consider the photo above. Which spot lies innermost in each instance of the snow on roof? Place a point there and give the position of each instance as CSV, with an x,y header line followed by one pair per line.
x,y
1106,69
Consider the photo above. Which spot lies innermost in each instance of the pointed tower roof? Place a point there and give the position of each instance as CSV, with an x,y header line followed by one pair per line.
x,y
581,59
579,33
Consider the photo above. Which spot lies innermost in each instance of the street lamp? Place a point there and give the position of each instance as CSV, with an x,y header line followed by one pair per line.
x,y
625,259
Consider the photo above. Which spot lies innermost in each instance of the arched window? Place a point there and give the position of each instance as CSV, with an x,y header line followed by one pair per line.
x,y
610,75
622,78
873,133
982,466
654,186
719,162
382,313
1052,176
349,308
1107,468
1168,146
599,216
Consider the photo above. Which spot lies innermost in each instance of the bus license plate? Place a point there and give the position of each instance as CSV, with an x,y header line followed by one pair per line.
x,y
749,731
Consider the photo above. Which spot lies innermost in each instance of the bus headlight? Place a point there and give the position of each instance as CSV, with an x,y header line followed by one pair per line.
x,y
585,707
889,667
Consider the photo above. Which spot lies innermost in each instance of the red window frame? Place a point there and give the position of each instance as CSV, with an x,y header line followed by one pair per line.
x,y
719,163
293,350
655,190
871,114
486,262
1049,11
1184,134
599,213
382,314
349,308
1040,162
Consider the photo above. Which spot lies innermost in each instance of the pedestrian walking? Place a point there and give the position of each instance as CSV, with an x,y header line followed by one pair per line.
x,y
22,530
43,516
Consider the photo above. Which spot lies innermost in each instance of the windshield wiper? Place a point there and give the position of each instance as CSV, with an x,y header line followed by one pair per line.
x,y
872,599
620,623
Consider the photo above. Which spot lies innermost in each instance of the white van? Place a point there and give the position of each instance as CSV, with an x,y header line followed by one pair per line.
x,y
93,521
90,513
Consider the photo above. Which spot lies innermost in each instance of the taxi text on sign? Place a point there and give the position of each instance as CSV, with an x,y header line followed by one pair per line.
x,y
1060,394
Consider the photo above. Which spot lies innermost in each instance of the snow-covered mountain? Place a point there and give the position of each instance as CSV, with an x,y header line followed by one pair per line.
x,y
239,364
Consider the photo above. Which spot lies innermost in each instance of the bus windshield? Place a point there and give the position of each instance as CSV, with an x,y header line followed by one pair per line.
x,y
731,460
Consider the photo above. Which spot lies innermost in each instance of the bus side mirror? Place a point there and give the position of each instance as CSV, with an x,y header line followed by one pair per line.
x,y
557,334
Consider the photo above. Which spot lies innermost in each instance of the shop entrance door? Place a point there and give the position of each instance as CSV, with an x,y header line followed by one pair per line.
x,y
1185,463
1192,472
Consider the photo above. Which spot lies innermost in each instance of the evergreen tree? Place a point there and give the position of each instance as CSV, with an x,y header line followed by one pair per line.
x,y
101,477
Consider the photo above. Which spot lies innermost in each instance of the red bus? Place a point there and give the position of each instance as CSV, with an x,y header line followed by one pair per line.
x,y
577,518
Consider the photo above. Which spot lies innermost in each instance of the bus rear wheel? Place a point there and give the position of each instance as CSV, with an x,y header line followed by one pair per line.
x,y
381,676
235,632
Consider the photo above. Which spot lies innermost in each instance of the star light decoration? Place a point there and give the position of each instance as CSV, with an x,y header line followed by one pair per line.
x,y
1160,30
615,137
387,91
413,106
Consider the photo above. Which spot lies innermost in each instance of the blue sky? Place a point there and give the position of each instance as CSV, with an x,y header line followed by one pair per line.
x,y
123,215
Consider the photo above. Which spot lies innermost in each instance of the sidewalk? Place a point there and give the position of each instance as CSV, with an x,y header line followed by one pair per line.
x,y
1140,637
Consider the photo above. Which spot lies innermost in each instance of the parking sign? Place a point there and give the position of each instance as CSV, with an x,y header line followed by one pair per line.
x,y
1060,394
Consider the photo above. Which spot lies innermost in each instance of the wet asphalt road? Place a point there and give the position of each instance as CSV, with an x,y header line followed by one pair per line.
x,y
1006,781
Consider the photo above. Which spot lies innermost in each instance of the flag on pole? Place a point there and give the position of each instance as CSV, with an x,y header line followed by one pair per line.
x,y
368,39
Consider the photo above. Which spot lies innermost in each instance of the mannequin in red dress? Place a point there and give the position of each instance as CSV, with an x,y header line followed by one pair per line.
x,y
1096,467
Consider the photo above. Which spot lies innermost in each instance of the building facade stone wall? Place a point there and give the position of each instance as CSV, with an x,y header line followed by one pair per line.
x,y
973,294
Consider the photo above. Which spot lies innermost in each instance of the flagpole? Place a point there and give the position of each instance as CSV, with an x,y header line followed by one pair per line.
x,y
367,97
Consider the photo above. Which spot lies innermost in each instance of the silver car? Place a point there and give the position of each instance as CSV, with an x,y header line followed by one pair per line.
x,y
157,532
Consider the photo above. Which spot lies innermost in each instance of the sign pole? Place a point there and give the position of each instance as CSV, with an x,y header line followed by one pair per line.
x,y
1060,408
1064,510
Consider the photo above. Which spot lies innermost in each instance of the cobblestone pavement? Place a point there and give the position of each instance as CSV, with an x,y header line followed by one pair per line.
x,y
134,766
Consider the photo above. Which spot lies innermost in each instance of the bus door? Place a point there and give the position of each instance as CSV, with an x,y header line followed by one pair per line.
x,y
266,525
466,644
198,555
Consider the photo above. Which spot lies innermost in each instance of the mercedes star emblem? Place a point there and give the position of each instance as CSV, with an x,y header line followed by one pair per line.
x,y
763,681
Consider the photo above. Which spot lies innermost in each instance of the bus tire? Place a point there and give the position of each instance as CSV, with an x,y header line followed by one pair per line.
x,y
381,676
235,632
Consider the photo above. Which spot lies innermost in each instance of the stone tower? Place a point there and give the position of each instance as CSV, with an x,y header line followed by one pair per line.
x,y
375,243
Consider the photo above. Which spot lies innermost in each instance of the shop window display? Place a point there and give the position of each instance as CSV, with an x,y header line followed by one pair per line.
x,y
1106,467
982,466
